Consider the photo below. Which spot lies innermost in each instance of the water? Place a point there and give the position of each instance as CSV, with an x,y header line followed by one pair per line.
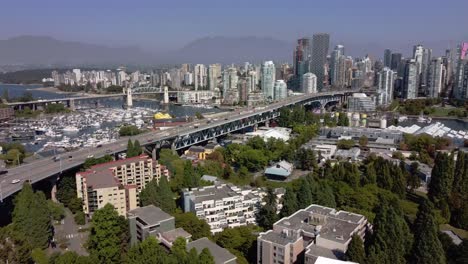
x,y
15,91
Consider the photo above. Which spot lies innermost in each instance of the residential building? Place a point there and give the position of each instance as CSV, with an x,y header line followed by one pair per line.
x,y
188,78
385,86
117,182
426,63
320,45
281,90
197,152
255,98
223,206
396,60
337,76
152,221
435,78
214,74
220,255
302,56
200,77
268,80
360,102
309,83
372,134
279,171
461,75
322,151
200,96
309,234
351,154
410,81
6,114
270,132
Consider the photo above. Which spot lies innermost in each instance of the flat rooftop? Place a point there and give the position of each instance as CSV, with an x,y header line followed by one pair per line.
x,y
214,192
220,255
150,214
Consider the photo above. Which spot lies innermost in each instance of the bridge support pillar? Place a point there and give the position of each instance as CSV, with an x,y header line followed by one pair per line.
x,y
166,95
71,105
53,192
153,153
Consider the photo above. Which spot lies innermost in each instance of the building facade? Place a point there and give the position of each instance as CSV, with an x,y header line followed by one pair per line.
x,y
410,80
435,78
386,79
268,80
320,46
309,83
281,90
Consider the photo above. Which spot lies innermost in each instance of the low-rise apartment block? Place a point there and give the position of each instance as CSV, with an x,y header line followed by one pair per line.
x,y
309,233
117,182
223,205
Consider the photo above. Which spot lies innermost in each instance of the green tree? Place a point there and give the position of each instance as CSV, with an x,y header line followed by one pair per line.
x,y
14,157
304,194
66,190
80,218
363,141
459,196
179,250
205,257
39,256
130,149
75,205
105,239
31,217
440,186
190,223
355,252
290,203
89,162
427,247
345,143
56,210
130,130
266,215
413,176
137,148
190,178
159,195
149,251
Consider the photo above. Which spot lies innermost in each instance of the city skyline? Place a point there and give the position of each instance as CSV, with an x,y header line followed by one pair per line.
x,y
158,27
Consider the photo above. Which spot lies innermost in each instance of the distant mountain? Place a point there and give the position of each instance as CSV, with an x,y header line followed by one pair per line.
x,y
232,50
43,50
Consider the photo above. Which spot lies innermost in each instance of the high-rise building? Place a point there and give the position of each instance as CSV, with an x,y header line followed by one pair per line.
x,y
410,84
460,91
251,81
388,58
337,66
302,55
230,80
309,83
242,89
320,45
386,78
214,73
268,80
188,78
176,78
396,60
426,61
435,77
281,90
200,76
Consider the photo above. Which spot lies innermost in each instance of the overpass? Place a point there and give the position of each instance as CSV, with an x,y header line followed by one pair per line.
x,y
178,138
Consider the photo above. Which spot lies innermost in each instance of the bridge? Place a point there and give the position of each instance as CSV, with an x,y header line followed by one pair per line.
x,y
177,138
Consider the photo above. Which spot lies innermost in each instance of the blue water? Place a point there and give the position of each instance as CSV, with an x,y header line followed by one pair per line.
x,y
15,91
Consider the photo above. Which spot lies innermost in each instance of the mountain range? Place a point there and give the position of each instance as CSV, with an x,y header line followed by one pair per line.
x,y
45,50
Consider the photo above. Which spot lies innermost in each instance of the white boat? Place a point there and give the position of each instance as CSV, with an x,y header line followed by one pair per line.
x,y
70,129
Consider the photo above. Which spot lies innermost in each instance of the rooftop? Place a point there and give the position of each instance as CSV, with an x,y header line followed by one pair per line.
x,y
150,214
172,235
278,238
220,255
214,192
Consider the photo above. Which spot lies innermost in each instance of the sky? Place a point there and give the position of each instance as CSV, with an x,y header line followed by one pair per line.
x,y
156,25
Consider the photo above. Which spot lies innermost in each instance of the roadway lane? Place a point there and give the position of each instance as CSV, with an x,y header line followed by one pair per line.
x,y
46,167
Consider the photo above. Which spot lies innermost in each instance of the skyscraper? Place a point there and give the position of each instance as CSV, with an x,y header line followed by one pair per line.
x,y
410,80
230,80
281,90
388,58
395,62
337,66
251,81
175,78
214,72
309,83
188,78
435,77
320,45
200,76
426,61
386,79
460,91
268,80
302,55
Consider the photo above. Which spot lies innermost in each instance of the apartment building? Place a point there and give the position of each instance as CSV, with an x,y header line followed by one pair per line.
x,y
117,182
223,205
308,234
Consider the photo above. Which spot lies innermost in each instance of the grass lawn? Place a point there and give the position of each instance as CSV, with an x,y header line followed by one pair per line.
x,y
441,111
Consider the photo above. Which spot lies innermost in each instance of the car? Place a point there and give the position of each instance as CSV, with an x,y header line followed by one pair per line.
x,y
108,151
15,181
3,172
149,140
226,118
70,157
90,156
99,146
56,158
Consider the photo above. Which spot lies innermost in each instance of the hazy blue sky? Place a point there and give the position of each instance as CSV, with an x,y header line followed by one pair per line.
x,y
170,24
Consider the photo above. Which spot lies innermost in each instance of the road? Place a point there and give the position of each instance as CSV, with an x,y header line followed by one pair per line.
x,y
46,167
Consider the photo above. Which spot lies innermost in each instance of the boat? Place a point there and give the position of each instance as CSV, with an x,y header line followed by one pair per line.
x,y
70,129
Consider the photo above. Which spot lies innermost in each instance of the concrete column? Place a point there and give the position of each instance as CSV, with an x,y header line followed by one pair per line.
x,y
166,95
53,192
153,153
72,105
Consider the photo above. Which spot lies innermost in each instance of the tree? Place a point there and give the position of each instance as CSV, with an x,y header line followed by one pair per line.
x,y
304,194
56,210
427,247
80,218
130,130
266,215
363,140
306,159
345,143
413,176
190,179
459,195
105,239
89,162
31,217
190,223
75,205
290,203
440,186
149,251
39,256
179,250
66,190
137,148
159,195
205,257
355,252
14,157
198,115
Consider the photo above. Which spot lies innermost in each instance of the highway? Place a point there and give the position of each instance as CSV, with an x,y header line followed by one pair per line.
x,y
46,167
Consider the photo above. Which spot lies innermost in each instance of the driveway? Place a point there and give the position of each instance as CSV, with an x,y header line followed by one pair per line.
x,y
67,232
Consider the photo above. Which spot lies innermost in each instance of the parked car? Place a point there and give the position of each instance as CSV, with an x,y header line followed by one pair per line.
x,y
3,172
15,181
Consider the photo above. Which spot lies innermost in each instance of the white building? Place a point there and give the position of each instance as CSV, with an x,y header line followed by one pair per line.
x,y
265,133
309,83
223,206
214,73
281,90
188,78
268,80
385,86
200,96
200,76
410,84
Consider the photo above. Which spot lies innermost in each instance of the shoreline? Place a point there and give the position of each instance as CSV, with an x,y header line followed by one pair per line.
x,y
50,89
